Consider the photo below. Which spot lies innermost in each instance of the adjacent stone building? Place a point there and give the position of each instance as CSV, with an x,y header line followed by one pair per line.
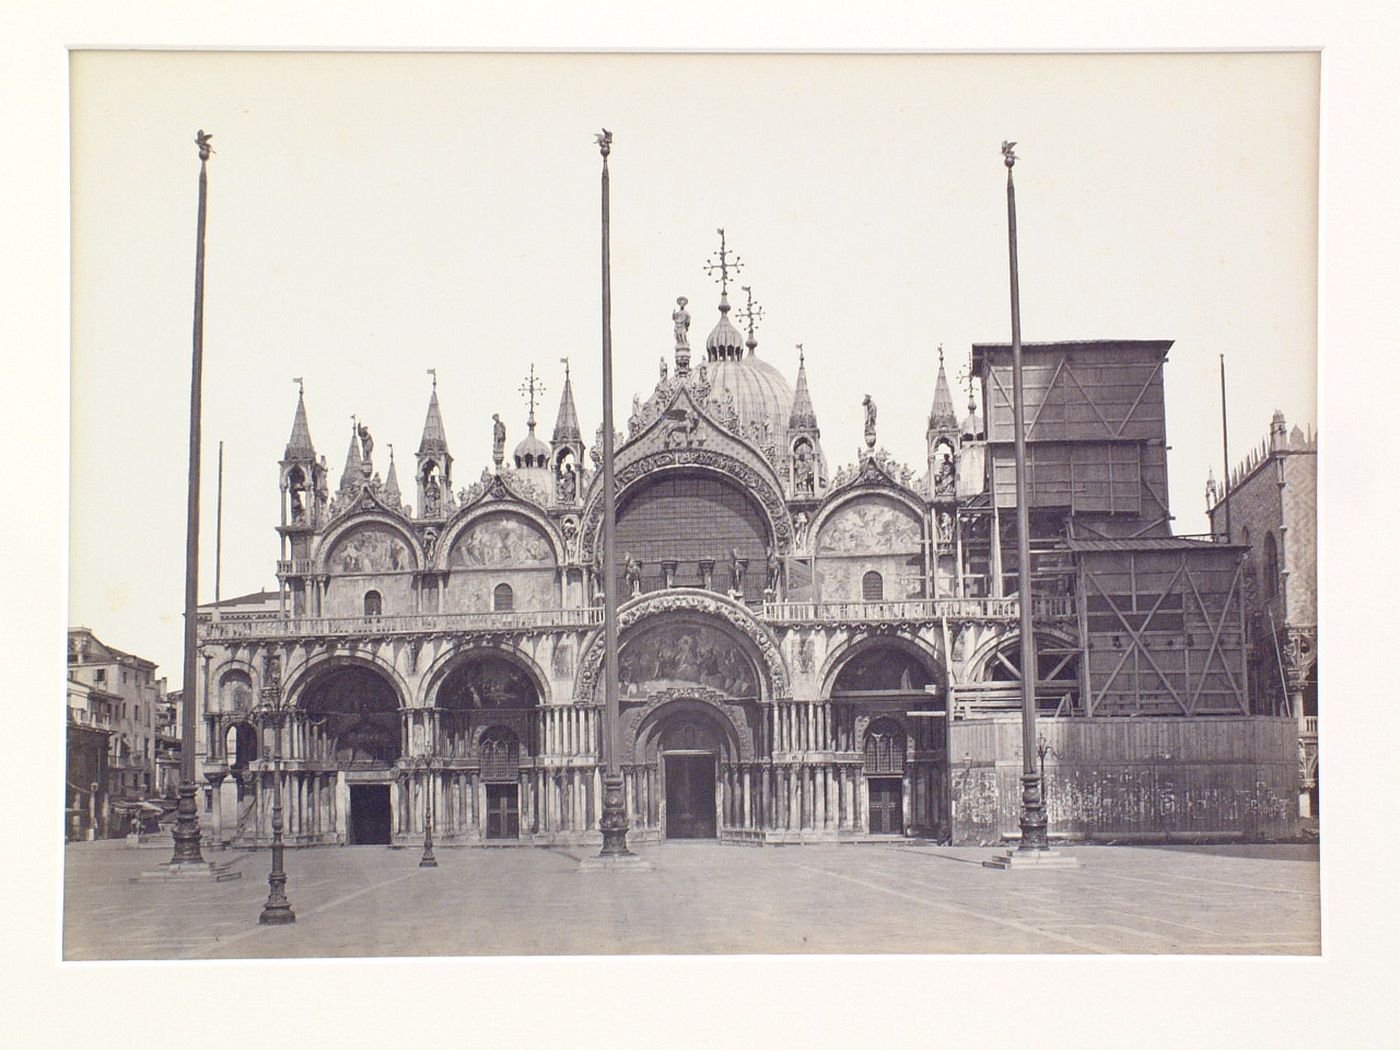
x,y
805,655
122,695
1270,506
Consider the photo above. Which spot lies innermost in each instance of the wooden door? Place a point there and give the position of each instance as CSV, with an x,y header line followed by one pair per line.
x,y
502,811
690,797
886,806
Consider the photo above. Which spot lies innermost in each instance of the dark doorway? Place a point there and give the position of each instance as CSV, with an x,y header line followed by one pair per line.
x,y
369,815
690,796
886,805
502,811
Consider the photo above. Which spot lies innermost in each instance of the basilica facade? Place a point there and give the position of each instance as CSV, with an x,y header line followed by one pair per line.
x,y
806,654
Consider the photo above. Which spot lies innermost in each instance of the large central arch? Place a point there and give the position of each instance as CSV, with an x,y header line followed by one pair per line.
x,y
691,462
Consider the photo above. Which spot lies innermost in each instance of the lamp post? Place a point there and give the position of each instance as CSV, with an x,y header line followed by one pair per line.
x,y
428,860
278,910
613,822
1033,823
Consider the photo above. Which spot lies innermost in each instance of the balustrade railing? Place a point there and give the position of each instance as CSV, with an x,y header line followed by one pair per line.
x,y
1310,725
414,623
916,609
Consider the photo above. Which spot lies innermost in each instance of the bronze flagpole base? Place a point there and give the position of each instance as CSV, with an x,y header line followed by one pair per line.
x,y
613,822
186,830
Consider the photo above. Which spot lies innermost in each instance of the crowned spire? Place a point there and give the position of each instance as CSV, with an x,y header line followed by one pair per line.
x,y
392,495
804,416
566,426
943,417
299,445
434,441
354,463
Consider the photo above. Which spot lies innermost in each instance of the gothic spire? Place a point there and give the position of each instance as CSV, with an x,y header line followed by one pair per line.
x,y
804,416
299,445
434,434
943,417
392,495
566,428
354,464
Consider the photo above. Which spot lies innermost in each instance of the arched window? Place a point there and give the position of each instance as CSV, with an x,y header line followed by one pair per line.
x,y
500,755
872,587
374,604
503,598
1270,580
884,747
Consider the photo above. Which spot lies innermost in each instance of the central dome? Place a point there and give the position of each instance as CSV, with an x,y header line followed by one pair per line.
x,y
761,394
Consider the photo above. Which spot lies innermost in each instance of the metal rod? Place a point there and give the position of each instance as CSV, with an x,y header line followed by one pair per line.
x,y
1033,824
186,831
1225,439
219,528
613,822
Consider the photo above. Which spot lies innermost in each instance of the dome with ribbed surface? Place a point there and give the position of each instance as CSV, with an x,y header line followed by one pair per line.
x,y
532,452
761,393
724,342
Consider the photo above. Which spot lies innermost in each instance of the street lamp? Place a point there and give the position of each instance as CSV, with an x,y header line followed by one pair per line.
x,y
278,910
428,860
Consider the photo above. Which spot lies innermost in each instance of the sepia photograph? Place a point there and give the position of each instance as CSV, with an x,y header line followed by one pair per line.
x,y
948,610
813,536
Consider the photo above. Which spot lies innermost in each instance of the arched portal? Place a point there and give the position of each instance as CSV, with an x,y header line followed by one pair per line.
x,y
888,706
687,746
358,712
352,714
485,705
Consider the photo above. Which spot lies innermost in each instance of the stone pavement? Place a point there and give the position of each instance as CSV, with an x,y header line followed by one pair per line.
x,y
702,898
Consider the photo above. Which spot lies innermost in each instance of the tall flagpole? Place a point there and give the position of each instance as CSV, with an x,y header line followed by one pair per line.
x,y
186,831
613,821
1225,440
219,528
1033,823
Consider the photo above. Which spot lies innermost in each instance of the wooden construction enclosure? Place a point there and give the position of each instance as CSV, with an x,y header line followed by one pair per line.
x,y
1095,430
1130,779
1162,625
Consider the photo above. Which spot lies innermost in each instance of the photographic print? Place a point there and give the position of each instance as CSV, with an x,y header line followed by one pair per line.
x,y
687,504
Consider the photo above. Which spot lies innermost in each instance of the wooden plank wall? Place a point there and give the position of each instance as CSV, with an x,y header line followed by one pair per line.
x,y
1130,779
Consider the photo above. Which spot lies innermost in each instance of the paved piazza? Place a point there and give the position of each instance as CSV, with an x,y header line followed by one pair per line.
x,y
702,898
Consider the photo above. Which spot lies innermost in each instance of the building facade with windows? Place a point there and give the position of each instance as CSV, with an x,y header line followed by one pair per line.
x,y
1269,505
123,696
806,655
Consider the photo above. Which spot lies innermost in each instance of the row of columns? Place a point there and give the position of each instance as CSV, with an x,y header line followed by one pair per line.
x,y
763,796
749,796
800,726
568,730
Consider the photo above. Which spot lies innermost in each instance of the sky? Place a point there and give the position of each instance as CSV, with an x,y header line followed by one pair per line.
x,y
372,216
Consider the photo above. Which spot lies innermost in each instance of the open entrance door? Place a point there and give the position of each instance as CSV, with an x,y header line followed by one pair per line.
x,y
369,815
690,796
